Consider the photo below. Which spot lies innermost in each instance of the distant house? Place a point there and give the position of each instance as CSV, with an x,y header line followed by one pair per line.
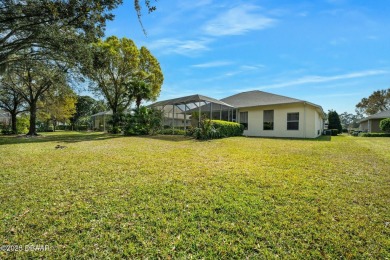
x,y
261,113
100,120
370,124
5,118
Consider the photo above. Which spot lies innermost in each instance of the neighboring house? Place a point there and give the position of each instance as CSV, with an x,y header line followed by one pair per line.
x,y
370,124
261,113
266,114
5,118
100,120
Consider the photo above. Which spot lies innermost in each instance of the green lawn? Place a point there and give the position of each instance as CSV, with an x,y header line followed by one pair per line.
x,y
161,197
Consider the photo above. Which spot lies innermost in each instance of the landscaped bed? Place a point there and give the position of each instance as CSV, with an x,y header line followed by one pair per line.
x,y
92,195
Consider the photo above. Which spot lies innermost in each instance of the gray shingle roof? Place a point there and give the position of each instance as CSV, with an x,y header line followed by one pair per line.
x,y
380,115
258,98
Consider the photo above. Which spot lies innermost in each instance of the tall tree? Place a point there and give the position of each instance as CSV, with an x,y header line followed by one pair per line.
x,y
117,66
334,121
60,27
59,105
10,100
139,90
378,101
34,79
349,120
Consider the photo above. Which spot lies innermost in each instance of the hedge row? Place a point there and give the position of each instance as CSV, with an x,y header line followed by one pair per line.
x,y
226,129
375,134
172,132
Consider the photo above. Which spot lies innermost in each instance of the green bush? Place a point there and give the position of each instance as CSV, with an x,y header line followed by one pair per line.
x,y
172,132
6,130
385,125
205,130
81,127
227,129
64,127
375,135
143,121
212,129
22,124
334,132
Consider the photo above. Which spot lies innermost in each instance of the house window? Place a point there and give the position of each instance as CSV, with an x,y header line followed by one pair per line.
x,y
244,119
292,121
268,120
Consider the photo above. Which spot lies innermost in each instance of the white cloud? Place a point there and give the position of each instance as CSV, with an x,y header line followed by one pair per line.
x,y
251,67
321,79
237,21
183,47
193,5
212,64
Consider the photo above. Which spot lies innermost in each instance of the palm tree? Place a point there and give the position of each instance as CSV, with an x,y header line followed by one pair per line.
x,y
140,90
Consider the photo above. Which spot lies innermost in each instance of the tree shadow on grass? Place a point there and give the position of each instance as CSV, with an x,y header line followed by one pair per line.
x,y
170,138
59,137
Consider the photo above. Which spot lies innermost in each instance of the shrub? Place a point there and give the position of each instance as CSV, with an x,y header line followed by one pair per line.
x,y
385,125
6,130
143,121
334,132
22,124
375,135
227,129
205,130
81,127
63,127
212,129
172,132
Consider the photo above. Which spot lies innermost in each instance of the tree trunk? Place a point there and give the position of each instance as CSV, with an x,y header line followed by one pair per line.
x,y
138,102
13,123
33,118
115,121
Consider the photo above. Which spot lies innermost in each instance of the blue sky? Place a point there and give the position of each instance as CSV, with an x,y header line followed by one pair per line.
x,y
330,52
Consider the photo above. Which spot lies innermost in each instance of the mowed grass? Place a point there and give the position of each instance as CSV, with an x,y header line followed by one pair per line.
x,y
106,196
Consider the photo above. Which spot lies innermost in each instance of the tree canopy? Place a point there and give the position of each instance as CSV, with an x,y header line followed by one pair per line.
x,y
11,100
59,105
60,28
41,41
122,74
32,80
349,120
377,102
334,121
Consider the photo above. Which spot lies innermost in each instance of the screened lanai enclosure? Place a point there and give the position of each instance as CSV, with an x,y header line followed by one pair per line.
x,y
184,111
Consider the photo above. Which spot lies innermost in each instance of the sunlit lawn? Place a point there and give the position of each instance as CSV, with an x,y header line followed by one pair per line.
x,y
160,197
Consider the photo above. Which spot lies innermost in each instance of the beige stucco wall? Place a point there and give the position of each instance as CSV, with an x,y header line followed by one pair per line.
x,y
310,121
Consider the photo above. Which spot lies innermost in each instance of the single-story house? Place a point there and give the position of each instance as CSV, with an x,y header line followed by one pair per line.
x,y
370,124
267,114
261,113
